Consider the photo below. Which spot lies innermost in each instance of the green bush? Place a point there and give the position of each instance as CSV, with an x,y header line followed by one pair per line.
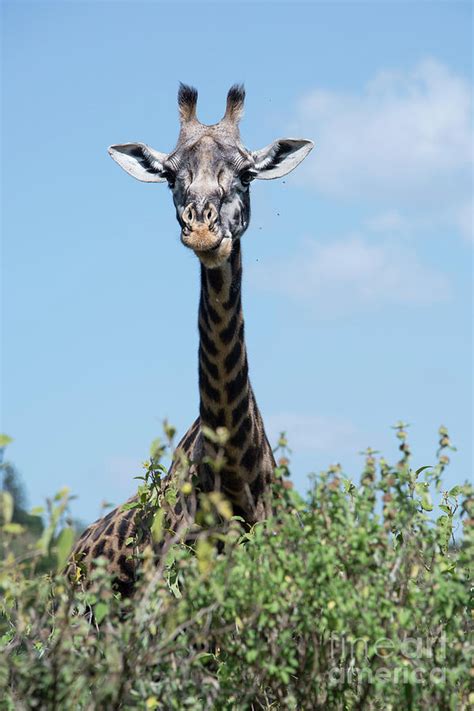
x,y
354,597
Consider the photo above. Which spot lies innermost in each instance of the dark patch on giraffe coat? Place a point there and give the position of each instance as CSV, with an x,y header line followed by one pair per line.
x,y
212,419
98,532
213,315
204,317
204,383
238,438
234,387
126,566
240,409
235,260
231,481
233,358
184,444
228,332
208,365
99,548
207,343
204,285
125,587
215,279
248,461
122,531
233,302
130,514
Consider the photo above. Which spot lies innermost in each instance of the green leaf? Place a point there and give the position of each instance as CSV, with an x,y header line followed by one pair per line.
x,y
404,616
170,431
422,469
348,485
157,525
43,543
6,506
206,657
156,448
62,494
64,547
204,553
171,496
132,505
455,491
399,537
450,568
100,611
13,528
219,436
174,587
5,440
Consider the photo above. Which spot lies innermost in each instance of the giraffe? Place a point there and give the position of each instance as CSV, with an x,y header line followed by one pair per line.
x,y
209,174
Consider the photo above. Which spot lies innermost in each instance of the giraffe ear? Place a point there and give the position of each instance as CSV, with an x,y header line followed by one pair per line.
x,y
280,157
140,161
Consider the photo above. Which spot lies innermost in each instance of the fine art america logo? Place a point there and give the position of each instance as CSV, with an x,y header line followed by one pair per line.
x,y
412,659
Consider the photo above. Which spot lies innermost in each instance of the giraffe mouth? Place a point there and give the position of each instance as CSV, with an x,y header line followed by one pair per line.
x,y
202,238
216,255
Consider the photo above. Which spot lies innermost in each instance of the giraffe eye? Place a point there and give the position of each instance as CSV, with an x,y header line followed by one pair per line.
x,y
247,176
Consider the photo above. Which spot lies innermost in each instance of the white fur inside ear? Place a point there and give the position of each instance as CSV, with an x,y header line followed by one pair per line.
x,y
281,157
140,161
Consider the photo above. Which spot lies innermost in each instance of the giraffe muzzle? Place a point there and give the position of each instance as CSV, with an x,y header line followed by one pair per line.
x,y
200,228
202,239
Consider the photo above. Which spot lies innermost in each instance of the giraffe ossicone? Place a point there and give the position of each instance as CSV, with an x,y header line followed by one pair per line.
x,y
209,174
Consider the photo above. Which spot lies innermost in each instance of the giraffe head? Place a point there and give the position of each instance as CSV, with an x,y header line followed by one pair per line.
x,y
209,174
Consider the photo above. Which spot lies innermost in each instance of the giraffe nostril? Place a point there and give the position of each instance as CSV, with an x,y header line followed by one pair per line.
x,y
210,215
188,215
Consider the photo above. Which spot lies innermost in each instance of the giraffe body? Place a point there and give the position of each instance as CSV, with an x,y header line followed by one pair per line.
x,y
209,173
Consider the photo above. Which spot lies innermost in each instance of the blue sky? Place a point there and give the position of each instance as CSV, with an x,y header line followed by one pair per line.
x,y
357,281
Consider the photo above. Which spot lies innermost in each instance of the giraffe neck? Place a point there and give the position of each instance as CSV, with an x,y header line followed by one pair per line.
x,y
226,397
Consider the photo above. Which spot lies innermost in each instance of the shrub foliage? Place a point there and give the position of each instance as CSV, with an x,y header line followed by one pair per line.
x,y
353,597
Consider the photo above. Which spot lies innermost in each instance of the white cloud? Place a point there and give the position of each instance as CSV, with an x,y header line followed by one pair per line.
x,y
464,219
352,274
388,221
404,141
311,433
